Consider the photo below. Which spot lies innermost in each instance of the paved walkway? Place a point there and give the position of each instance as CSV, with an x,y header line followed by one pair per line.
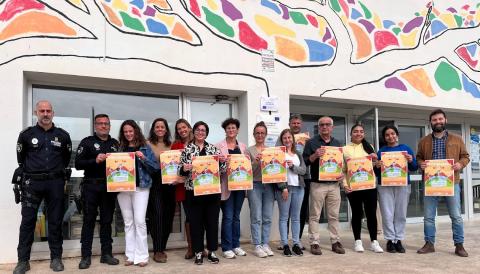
x,y
443,261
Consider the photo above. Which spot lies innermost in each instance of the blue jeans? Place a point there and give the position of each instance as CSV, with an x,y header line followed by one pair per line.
x,y
454,210
260,200
290,206
231,220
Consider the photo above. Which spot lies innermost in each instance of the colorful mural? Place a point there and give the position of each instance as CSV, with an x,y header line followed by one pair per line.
x,y
34,18
298,36
428,79
447,15
371,34
79,5
148,18
470,54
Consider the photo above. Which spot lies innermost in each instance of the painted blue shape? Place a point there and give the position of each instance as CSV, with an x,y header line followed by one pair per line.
x,y
271,6
437,27
388,23
355,14
138,3
472,49
470,86
156,27
319,52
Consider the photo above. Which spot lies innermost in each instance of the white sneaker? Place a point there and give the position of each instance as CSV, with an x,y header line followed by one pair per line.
x,y
239,251
358,246
229,254
267,250
375,247
259,252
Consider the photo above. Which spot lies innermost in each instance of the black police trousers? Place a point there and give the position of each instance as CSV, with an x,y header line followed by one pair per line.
x,y
34,192
160,212
95,196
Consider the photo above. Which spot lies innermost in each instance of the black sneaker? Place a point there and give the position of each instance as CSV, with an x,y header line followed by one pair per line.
x,y
22,267
109,259
286,251
391,247
57,265
399,247
212,258
85,262
199,258
297,250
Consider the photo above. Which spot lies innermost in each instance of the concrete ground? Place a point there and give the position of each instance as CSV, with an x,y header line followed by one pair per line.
x,y
443,261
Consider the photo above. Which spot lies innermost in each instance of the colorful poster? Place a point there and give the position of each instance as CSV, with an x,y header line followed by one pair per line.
x,y
239,172
274,165
394,171
205,175
439,177
169,165
121,172
360,174
300,141
330,167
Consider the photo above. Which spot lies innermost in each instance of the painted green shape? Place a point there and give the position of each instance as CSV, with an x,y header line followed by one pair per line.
x,y
417,13
396,30
367,12
447,77
218,23
459,20
131,22
335,5
431,16
298,18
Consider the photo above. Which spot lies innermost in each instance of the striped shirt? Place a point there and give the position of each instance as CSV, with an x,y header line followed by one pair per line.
x,y
439,146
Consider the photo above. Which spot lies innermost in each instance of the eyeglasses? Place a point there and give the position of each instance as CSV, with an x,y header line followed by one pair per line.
x,y
102,124
260,133
200,131
325,125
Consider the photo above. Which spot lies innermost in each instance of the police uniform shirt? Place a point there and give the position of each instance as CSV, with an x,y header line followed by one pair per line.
x,y
44,151
87,152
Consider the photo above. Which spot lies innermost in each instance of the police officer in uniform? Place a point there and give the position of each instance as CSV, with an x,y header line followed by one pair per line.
x,y
43,152
91,155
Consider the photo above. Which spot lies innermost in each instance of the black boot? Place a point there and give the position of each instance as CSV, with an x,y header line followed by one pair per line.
x,y
57,265
399,247
22,267
391,247
85,262
109,259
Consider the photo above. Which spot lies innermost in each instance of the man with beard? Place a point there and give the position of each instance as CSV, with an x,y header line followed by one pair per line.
x,y
43,152
442,144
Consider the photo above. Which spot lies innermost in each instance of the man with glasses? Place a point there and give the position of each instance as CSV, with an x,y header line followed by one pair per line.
x,y
322,192
43,155
91,155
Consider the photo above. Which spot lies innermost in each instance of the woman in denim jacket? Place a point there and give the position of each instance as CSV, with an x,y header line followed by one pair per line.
x,y
134,204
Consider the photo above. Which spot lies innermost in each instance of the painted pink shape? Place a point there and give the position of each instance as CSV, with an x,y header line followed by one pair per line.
x,y
395,83
312,20
384,39
463,53
345,7
13,7
136,12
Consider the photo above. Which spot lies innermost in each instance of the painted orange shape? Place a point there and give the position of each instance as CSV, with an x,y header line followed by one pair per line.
x,y
112,17
290,49
418,78
163,4
364,47
181,31
36,22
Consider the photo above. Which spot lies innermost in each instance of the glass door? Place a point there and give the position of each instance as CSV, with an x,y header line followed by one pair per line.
x,y
212,112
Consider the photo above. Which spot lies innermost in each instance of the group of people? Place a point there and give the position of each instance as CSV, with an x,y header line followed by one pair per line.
x,y
44,150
